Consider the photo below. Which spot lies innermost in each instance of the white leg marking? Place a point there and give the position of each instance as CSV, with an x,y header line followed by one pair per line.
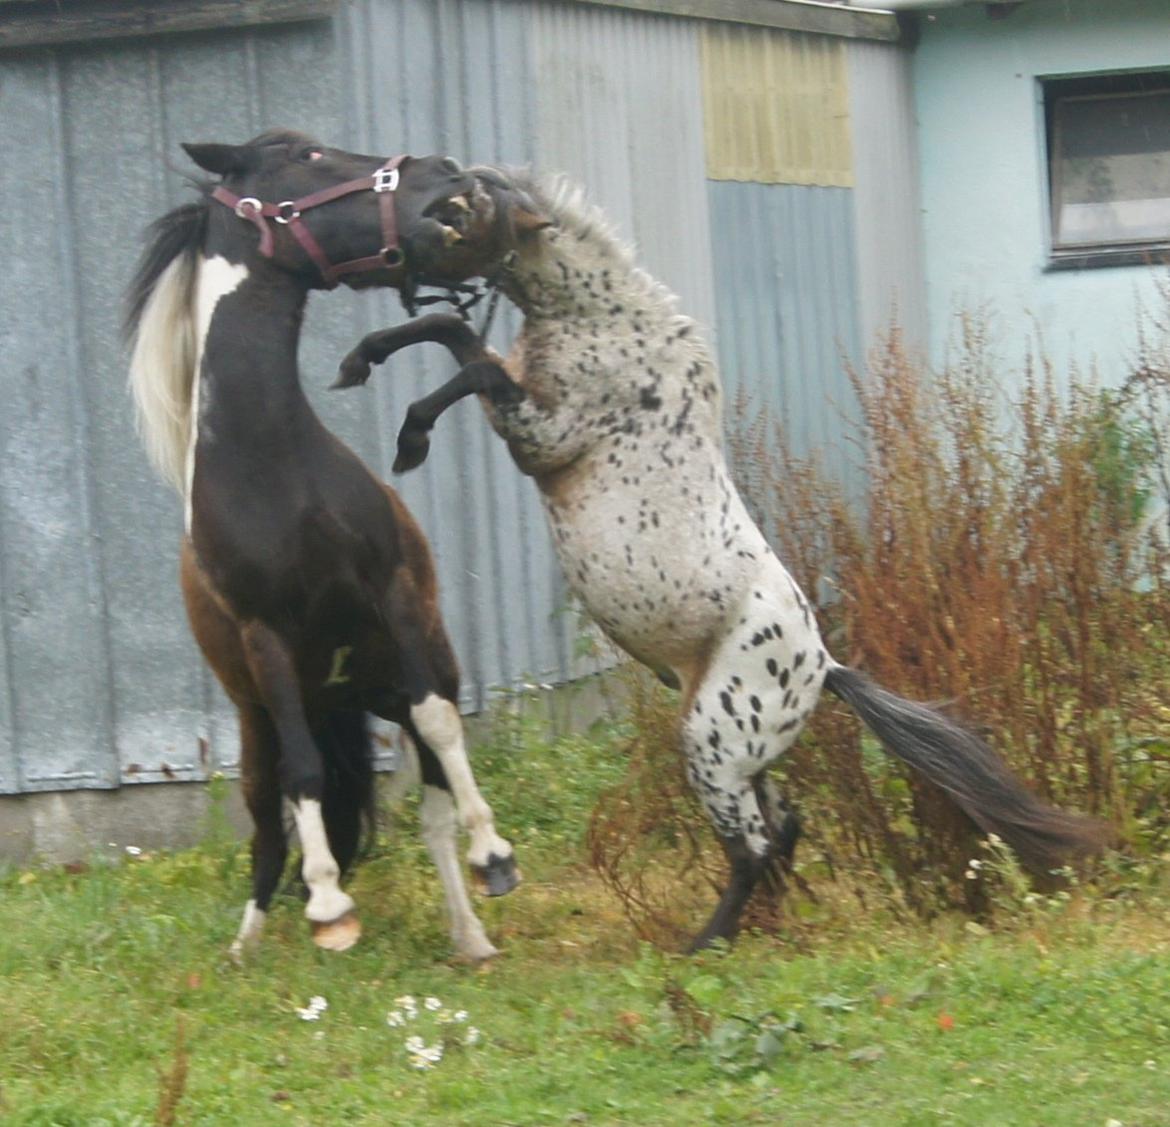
x,y
217,279
438,722
326,900
438,833
407,775
250,928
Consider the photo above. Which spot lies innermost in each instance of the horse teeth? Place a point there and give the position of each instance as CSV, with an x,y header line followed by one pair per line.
x,y
460,202
451,236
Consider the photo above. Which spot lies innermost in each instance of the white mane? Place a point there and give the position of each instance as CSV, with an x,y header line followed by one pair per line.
x,y
162,369
587,226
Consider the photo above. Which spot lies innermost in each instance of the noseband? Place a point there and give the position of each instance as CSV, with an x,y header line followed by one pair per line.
x,y
384,183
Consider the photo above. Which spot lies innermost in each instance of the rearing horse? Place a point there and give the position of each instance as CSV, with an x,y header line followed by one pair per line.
x,y
611,402
309,587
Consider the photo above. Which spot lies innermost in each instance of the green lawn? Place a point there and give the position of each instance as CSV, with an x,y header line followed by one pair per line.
x,y
1062,1019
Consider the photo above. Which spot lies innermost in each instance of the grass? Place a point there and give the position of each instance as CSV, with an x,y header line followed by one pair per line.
x,y
120,1008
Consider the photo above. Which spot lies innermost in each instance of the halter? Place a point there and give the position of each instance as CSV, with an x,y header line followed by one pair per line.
x,y
384,182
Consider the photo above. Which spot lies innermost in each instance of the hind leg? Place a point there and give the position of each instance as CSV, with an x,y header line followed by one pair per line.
x,y
733,807
783,829
439,825
330,911
429,675
259,753
752,702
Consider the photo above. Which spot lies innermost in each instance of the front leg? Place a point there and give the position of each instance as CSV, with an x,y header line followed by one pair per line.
x,y
481,377
438,328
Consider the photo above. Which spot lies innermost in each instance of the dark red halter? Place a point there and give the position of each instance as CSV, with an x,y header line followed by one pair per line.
x,y
384,182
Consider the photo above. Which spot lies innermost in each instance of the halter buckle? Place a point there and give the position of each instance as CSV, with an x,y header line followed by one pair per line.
x,y
248,207
386,180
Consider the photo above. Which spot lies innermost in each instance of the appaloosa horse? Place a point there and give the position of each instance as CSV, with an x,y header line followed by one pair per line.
x,y
309,587
611,402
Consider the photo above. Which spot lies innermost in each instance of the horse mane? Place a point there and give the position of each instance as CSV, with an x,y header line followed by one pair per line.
x,y
571,210
159,328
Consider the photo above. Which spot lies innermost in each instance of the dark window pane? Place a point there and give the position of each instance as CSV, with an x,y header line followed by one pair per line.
x,y
1111,180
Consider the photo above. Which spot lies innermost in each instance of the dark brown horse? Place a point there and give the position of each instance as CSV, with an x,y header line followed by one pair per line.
x,y
611,402
309,587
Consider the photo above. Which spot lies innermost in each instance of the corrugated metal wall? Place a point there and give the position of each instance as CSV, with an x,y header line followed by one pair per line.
x,y
99,681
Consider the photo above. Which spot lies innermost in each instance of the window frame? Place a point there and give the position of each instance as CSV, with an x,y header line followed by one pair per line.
x,y
1095,87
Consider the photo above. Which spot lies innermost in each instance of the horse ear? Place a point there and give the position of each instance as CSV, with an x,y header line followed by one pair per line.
x,y
223,160
527,219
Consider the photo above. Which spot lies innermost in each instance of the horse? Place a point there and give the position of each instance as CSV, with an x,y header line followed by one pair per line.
x,y
611,401
308,585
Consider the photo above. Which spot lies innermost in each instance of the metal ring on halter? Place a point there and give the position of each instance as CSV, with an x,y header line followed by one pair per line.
x,y
292,212
251,203
393,256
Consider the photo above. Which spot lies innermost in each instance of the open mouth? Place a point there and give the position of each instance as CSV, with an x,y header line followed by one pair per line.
x,y
454,216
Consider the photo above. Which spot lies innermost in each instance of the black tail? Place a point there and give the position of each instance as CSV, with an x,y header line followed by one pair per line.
x,y
348,801
956,760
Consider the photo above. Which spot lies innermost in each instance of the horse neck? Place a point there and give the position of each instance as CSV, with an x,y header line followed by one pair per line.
x,y
248,329
566,277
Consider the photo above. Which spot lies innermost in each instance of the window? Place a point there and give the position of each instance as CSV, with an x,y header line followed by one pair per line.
x,y
1109,169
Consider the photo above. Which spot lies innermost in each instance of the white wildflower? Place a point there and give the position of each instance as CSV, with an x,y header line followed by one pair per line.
x,y
971,874
472,1037
133,850
414,1044
395,1018
432,1003
444,1017
460,1015
975,863
420,1062
312,1012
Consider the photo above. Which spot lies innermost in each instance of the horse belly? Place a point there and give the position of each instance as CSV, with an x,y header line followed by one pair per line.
x,y
653,576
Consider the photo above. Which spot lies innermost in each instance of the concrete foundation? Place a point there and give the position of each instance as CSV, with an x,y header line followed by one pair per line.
x,y
59,827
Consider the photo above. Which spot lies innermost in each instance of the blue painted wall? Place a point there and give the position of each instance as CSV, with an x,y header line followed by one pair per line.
x,y
984,182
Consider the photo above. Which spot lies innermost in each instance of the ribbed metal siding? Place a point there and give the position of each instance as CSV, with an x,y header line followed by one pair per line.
x,y
786,290
620,109
890,267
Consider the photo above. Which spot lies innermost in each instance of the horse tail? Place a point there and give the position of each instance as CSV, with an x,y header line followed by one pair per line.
x,y
348,803
958,761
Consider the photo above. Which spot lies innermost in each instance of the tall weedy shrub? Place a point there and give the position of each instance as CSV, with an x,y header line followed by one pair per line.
x,y
998,561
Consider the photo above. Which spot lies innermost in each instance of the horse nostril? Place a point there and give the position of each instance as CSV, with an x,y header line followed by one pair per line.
x,y
451,165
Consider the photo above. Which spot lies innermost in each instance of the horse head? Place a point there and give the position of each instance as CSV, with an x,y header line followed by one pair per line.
x,y
471,234
328,215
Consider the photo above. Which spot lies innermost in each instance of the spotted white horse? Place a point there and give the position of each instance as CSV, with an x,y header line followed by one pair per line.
x,y
610,401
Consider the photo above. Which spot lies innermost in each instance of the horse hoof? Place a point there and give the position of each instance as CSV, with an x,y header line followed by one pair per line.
x,y
412,452
498,877
475,953
339,934
353,372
